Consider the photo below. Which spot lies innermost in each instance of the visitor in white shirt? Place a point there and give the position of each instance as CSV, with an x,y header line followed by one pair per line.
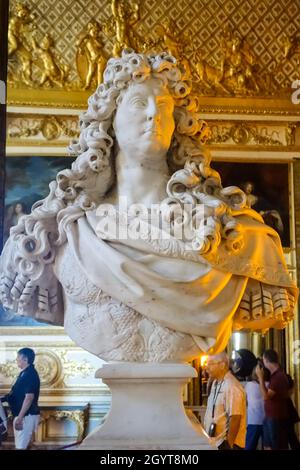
x,y
225,417
255,413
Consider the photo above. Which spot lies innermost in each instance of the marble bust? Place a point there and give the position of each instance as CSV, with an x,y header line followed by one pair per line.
x,y
145,298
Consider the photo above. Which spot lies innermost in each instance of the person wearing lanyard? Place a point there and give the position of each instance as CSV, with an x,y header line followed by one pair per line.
x,y
225,417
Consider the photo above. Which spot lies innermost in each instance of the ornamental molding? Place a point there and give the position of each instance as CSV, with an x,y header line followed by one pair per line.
x,y
53,368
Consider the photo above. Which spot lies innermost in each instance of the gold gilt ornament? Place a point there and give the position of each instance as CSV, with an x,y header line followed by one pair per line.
x,y
171,40
244,134
21,42
291,46
47,364
238,63
52,70
208,78
291,50
32,59
290,132
236,73
53,368
124,16
50,127
80,417
249,58
91,58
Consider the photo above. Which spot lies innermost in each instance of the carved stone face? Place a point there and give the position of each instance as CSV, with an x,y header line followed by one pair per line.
x,y
144,121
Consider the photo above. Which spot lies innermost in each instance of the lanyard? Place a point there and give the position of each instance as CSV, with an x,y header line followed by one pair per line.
x,y
216,394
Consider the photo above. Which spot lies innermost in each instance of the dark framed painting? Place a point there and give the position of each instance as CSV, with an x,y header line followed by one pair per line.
x,y
27,181
267,187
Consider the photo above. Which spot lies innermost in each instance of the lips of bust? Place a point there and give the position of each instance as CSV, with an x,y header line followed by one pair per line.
x,y
152,131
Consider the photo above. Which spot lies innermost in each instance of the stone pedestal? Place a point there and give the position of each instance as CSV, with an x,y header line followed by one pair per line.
x,y
147,409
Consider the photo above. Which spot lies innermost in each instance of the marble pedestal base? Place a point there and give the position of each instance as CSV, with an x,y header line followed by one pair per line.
x,y
147,410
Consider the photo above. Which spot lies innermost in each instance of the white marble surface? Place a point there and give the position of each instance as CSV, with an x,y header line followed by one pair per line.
x,y
147,410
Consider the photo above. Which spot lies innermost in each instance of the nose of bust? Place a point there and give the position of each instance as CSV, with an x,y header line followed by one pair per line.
x,y
154,116
152,110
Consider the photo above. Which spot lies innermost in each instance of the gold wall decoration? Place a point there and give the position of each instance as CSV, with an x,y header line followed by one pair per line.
x,y
169,38
258,106
35,127
79,417
290,134
49,367
52,70
47,363
291,47
9,369
249,133
44,130
90,56
237,48
51,128
53,368
21,43
237,70
33,60
124,16
74,368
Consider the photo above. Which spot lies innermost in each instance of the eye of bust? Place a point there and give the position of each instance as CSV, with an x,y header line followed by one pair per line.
x,y
138,102
164,102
